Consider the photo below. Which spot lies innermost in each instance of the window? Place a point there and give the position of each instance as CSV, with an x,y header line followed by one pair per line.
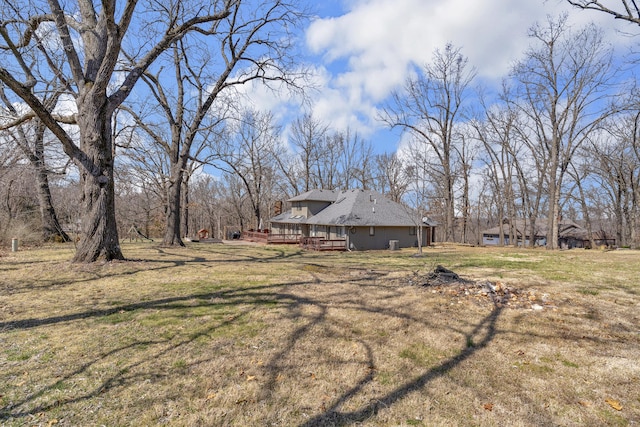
x,y
372,231
412,231
340,232
319,231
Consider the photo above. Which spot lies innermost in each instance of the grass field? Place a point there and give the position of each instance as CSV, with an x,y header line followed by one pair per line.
x,y
271,336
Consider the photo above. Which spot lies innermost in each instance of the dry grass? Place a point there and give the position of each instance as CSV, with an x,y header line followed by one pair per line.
x,y
253,336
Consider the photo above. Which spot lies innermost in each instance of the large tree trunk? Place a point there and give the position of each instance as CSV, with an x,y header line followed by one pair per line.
x,y
99,228
100,233
174,195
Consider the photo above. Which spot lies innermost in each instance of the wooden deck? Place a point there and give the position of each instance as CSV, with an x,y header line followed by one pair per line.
x,y
322,244
284,239
266,237
255,236
311,243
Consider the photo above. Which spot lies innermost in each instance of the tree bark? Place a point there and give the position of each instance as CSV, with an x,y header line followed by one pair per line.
x,y
174,196
99,239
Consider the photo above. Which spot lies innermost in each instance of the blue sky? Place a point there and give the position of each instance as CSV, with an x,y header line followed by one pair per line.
x,y
360,50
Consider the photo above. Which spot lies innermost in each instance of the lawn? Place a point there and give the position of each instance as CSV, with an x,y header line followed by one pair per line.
x,y
235,335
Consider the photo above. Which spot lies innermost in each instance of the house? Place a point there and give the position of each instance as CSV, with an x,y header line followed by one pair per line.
x,y
570,234
348,220
491,237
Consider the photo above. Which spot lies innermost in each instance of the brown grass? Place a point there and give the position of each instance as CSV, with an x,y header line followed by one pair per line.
x,y
253,336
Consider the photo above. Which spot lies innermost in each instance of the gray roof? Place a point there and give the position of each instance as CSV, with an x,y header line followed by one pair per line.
x,y
286,217
316,196
566,228
363,208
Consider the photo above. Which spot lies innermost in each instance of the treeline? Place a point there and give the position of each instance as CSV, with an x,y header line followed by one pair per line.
x,y
184,152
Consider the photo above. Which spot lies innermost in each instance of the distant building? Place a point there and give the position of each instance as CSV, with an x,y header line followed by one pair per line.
x,y
570,235
348,220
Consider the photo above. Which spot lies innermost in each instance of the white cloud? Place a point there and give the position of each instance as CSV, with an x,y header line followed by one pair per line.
x,y
371,48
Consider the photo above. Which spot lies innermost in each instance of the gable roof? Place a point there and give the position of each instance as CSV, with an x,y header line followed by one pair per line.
x,y
362,208
316,196
566,228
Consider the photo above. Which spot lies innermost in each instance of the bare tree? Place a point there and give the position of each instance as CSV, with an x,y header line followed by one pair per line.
x,y
355,158
308,137
212,205
496,130
391,177
563,84
185,203
627,10
467,152
9,163
91,38
248,153
99,80
30,137
421,196
430,108
252,42
579,175
614,161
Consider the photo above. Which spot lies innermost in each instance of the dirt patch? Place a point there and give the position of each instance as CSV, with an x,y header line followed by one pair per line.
x,y
482,292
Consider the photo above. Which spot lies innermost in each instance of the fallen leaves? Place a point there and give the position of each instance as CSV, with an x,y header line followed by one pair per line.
x,y
488,406
609,401
614,404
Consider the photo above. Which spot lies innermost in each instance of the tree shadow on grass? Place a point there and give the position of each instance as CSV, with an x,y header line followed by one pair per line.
x,y
309,311
25,283
482,334
253,294
6,412
247,299
244,300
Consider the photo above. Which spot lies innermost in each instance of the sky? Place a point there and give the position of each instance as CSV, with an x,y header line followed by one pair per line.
x,y
361,50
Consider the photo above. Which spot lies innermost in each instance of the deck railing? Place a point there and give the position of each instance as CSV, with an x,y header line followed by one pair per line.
x,y
284,238
322,244
267,237
313,243
256,236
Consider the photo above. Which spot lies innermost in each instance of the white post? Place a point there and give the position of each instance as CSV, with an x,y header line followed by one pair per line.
x,y
14,244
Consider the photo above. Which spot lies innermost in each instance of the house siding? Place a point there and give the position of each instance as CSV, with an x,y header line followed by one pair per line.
x,y
308,208
360,240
